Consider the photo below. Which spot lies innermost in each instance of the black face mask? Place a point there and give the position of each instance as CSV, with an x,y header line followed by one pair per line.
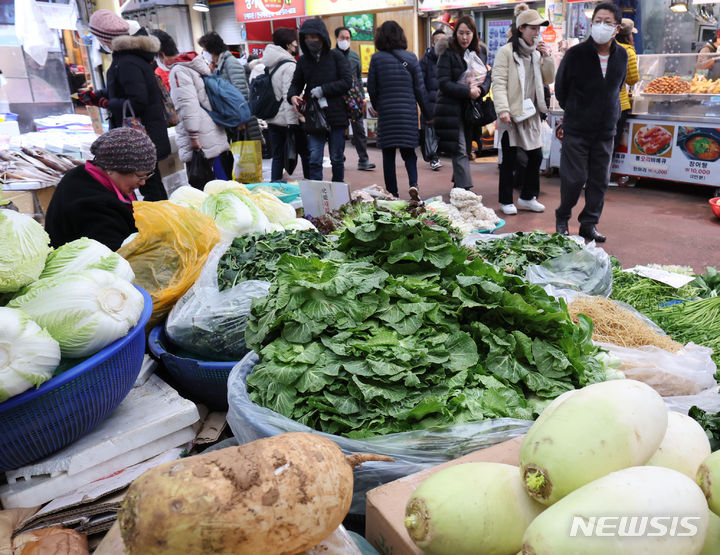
x,y
314,46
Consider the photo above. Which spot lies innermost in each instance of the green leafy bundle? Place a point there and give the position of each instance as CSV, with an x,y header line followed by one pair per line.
x,y
514,253
646,294
710,423
255,256
408,332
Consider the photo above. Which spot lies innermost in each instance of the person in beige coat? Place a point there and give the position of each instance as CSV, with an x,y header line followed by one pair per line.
x,y
521,69
196,130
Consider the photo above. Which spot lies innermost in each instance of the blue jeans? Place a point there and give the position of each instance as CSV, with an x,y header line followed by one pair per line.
x,y
316,146
278,137
410,159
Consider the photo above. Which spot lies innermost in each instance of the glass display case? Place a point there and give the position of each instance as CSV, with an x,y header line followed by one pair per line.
x,y
678,87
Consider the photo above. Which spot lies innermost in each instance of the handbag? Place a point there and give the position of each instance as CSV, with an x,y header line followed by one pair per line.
x,y
528,111
290,152
247,159
480,112
354,101
315,121
171,115
129,118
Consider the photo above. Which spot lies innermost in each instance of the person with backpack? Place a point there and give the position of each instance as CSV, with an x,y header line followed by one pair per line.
x,y
229,68
271,87
324,76
130,79
196,130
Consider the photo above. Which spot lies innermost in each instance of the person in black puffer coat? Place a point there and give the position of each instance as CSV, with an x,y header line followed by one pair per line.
x,y
131,77
395,85
428,65
458,64
324,75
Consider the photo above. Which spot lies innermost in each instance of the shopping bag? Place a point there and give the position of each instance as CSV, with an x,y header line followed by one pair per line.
x,y
169,251
429,144
315,121
129,118
290,155
199,170
354,101
247,160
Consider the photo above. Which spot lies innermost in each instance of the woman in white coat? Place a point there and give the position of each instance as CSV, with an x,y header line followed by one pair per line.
x,y
196,130
279,59
521,69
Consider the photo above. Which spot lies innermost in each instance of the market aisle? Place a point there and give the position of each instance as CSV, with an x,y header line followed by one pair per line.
x,y
655,222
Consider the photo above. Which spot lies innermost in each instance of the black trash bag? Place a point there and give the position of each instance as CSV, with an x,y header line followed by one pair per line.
x,y
429,143
315,122
199,170
290,155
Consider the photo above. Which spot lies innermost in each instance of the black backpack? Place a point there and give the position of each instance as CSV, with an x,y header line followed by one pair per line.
x,y
263,103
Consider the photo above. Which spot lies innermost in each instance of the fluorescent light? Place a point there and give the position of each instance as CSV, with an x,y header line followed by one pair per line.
x,y
201,6
679,6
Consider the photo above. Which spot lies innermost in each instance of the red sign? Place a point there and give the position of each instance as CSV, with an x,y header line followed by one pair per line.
x,y
264,10
256,49
549,35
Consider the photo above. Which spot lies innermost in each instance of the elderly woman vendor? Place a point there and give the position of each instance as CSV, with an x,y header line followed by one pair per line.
x,y
95,200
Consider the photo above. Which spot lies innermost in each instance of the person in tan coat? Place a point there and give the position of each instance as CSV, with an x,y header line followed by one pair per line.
x,y
521,69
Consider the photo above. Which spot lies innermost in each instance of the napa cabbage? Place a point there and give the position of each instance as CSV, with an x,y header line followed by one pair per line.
x,y
84,254
188,196
235,214
24,246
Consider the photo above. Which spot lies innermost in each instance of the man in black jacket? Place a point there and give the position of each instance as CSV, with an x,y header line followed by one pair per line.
x,y
324,75
428,65
587,86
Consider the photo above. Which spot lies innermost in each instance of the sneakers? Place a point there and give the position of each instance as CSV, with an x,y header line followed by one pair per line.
x,y
533,205
435,165
366,165
508,209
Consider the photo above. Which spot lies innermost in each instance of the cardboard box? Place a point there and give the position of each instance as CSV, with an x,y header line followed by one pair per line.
x,y
321,197
384,527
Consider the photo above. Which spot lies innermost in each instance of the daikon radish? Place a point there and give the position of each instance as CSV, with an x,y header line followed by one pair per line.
x,y
469,509
708,477
596,430
644,510
684,447
712,540
279,495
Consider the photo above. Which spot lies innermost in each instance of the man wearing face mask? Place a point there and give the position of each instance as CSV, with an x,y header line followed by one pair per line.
x,y
359,138
324,75
587,86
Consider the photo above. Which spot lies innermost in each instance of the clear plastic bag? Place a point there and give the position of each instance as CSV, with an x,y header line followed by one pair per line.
x,y
337,543
412,451
708,400
686,372
588,270
210,322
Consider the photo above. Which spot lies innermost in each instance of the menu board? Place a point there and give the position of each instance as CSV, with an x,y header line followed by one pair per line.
x,y
683,152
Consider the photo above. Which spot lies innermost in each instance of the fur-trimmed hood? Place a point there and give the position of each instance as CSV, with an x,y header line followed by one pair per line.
x,y
137,43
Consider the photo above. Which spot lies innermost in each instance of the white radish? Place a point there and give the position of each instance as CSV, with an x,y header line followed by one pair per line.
x,y
708,477
712,540
645,510
469,509
684,447
596,430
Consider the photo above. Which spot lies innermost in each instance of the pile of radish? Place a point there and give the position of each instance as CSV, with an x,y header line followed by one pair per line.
x,y
604,470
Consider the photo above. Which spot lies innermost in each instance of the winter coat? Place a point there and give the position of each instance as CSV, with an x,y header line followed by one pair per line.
x,y
591,102
331,72
281,80
187,90
230,69
395,92
452,97
353,59
131,77
428,65
632,76
508,80
82,207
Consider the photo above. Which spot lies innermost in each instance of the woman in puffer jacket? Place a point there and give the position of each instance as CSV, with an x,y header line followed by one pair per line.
x,y
279,59
196,130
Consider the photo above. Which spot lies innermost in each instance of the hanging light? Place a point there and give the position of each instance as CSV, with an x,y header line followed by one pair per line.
x,y
679,6
200,6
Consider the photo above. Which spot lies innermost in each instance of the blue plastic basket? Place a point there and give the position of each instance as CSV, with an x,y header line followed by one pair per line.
x,y
203,381
286,192
500,224
42,421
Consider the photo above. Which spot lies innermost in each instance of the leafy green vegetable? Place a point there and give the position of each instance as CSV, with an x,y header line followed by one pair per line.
x,y
646,294
255,256
407,332
710,423
514,253
708,284
24,246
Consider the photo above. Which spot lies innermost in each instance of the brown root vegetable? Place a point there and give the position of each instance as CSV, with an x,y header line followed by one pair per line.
x,y
278,495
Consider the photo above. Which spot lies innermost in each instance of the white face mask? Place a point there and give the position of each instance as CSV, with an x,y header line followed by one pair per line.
x,y
602,33
161,65
207,56
343,44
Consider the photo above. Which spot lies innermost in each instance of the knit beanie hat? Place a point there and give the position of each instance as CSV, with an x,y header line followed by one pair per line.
x,y
107,25
125,150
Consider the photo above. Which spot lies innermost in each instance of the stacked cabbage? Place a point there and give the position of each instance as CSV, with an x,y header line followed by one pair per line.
x,y
70,302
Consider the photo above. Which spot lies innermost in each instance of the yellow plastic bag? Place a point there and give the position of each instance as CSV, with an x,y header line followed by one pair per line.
x,y
247,161
169,251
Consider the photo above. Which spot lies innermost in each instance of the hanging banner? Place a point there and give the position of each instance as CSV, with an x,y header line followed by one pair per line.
x,y
329,7
439,5
264,10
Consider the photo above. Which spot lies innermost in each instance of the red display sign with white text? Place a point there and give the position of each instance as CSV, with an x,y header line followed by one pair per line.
x,y
247,11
